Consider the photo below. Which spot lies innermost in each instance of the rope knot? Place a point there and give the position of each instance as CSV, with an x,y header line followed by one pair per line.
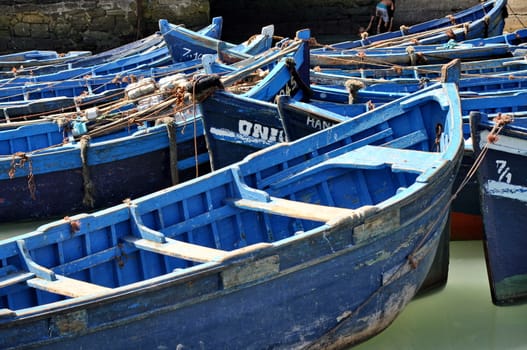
x,y
413,262
503,119
75,225
22,160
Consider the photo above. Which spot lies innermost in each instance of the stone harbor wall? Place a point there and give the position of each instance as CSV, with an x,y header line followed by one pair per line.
x,y
89,24
97,25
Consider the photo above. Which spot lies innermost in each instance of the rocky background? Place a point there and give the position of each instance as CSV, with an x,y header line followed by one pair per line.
x,y
93,25
97,25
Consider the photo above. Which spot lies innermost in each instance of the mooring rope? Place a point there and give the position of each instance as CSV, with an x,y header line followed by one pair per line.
x,y
499,122
172,146
89,189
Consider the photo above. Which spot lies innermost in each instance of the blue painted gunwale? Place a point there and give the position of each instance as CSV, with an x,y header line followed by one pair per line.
x,y
318,277
38,55
38,58
481,86
484,19
502,178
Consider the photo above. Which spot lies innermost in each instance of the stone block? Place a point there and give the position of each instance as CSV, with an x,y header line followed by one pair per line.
x,y
39,30
61,29
22,30
5,22
34,18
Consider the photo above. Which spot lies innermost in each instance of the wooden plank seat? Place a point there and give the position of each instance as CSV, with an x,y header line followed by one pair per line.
x,y
178,249
295,209
67,286
49,281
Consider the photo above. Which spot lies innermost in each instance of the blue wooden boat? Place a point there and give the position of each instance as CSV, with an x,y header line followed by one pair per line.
x,y
415,74
184,44
301,235
501,148
91,171
148,51
383,92
503,45
482,20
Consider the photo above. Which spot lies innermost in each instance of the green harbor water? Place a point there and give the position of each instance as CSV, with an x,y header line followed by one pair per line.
x,y
460,316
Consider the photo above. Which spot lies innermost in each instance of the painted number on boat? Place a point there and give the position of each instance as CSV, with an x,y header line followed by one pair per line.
x,y
260,131
189,53
504,171
289,89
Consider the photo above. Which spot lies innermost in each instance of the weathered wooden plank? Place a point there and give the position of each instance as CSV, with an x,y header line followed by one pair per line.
x,y
67,286
178,249
299,210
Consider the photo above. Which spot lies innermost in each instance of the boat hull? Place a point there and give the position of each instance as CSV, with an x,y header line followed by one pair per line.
x,y
311,295
54,184
503,184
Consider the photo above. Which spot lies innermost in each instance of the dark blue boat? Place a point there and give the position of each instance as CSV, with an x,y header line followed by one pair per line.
x,y
482,20
303,235
43,177
38,57
503,45
501,144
